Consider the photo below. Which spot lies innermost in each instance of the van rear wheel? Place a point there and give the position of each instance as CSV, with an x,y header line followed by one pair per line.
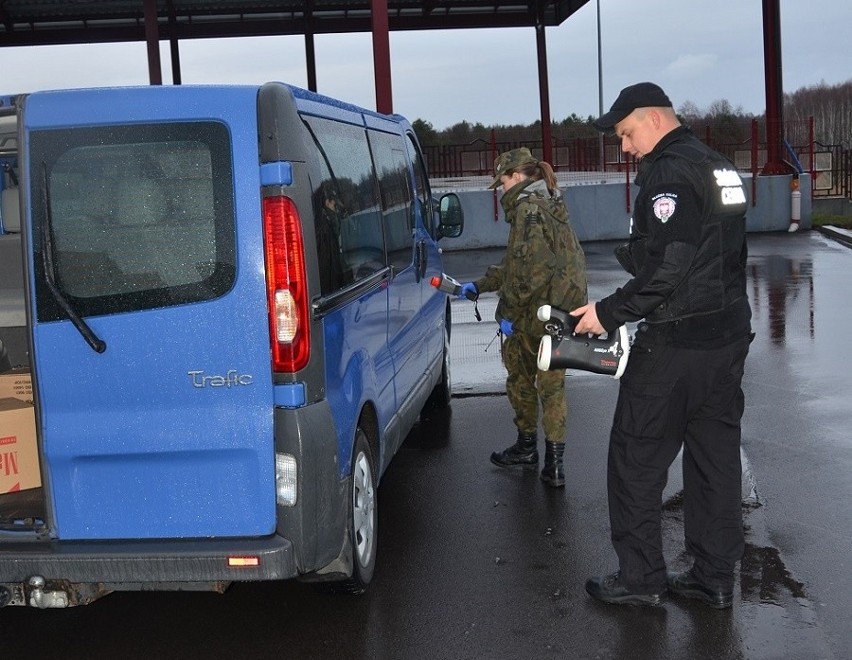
x,y
362,522
363,516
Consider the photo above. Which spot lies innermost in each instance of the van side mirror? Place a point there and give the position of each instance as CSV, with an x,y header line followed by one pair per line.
x,y
450,216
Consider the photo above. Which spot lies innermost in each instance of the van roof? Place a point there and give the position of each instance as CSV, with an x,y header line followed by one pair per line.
x,y
298,92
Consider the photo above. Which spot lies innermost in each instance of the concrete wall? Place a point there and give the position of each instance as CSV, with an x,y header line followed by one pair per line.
x,y
599,212
832,206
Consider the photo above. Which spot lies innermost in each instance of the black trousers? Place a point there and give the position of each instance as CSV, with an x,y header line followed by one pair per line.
x,y
673,397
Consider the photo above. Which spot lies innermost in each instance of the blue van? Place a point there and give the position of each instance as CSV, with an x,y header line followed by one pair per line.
x,y
222,294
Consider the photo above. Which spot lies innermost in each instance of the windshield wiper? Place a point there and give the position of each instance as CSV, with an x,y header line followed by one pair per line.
x,y
97,344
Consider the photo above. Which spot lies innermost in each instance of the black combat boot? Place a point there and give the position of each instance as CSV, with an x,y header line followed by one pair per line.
x,y
552,473
523,453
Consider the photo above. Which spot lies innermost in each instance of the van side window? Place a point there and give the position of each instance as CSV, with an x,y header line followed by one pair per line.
x,y
421,187
353,179
395,187
330,214
141,216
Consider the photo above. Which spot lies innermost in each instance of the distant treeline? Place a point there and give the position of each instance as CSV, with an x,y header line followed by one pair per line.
x,y
829,105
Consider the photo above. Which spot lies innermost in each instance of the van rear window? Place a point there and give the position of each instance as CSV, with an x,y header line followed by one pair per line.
x,y
139,216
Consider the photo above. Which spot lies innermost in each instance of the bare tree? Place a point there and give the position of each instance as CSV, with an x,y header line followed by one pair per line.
x,y
689,113
831,108
720,123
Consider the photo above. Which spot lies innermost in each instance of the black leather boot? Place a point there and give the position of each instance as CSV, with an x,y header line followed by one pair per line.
x,y
552,473
523,453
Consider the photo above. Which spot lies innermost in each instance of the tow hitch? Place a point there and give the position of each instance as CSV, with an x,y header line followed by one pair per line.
x,y
38,592
45,599
32,593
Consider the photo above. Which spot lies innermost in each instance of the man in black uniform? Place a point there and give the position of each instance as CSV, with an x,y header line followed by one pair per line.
x,y
682,385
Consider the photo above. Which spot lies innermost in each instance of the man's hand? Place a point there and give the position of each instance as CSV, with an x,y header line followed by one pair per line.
x,y
506,327
588,323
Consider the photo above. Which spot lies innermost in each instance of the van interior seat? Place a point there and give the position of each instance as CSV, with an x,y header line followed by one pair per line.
x,y
11,210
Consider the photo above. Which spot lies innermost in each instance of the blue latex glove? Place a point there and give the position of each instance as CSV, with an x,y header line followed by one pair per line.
x,y
469,291
506,327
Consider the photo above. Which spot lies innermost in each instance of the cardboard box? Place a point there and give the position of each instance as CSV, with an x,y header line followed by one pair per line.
x,y
17,384
19,464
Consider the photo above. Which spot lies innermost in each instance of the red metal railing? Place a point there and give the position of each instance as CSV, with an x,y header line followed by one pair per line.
x,y
828,165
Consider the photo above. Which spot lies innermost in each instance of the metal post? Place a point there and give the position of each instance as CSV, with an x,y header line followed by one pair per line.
x,y
311,61
494,158
381,56
755,136
812,148
774,87
173,46
544,91
601,153
175,53
152,37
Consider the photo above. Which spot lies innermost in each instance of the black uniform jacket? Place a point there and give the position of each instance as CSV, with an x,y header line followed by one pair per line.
x,y
687,248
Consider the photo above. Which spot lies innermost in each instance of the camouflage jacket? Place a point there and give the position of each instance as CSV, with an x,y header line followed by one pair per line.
x,y
544,262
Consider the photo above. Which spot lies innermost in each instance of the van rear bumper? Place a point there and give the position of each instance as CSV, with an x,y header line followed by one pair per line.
x,y
158,562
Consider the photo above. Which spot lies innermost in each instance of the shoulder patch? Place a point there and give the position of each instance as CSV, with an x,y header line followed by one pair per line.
x,y
664,205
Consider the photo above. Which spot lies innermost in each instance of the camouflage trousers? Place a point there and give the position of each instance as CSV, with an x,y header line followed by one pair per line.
x,y
526,386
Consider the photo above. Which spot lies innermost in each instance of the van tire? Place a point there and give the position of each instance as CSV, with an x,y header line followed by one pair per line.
x,y
442,395
363,518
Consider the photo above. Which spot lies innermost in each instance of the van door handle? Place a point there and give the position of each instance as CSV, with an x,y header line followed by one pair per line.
x,y
421,260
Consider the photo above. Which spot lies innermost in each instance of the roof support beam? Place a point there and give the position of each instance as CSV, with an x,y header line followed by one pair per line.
x,y
311,61
174,50
310,46
381,56
543,91
152,38
210,29
774,89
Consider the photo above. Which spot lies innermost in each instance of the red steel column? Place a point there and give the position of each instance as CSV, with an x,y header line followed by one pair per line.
x,y
152,37
543,92
774,88
381,56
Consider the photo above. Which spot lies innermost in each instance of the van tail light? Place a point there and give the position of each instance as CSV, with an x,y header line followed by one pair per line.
x,y
286,285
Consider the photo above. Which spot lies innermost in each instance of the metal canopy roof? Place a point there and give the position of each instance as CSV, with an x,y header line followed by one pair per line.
x,y
43,22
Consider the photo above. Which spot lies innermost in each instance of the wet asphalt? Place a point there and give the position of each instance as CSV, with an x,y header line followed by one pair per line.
x,y
481,563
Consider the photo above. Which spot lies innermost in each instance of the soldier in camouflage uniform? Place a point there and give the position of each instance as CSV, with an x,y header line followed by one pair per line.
x,y
543,264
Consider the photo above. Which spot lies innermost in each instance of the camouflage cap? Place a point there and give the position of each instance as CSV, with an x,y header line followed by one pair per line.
x,y
511,160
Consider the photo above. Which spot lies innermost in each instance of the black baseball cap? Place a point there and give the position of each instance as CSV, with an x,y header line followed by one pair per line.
x,y
640,95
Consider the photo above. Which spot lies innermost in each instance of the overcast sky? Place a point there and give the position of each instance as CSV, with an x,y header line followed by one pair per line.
x,y
698,50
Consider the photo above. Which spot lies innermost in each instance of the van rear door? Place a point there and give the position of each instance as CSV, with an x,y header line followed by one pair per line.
x,y
150,330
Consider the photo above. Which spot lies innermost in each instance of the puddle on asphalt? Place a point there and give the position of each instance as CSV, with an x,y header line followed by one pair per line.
x,y
778,618
764,578
782,295
775,617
